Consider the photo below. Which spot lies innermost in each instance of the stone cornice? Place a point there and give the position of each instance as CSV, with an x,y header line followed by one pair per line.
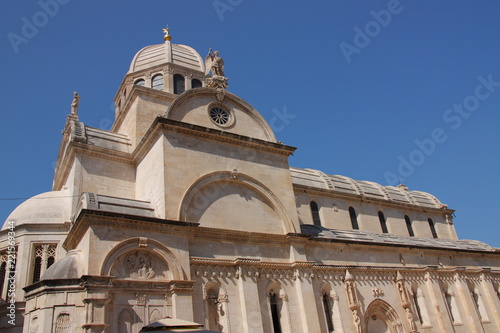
x,y
302,189
164,124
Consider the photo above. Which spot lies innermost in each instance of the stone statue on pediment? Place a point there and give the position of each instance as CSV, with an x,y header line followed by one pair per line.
x,y
214,63
75,103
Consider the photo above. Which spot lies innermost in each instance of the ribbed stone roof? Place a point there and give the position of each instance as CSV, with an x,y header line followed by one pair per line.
x,y
345,185
369,237
159,54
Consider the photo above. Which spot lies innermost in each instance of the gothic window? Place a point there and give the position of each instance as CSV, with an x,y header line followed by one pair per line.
x,y
408,226
195,83
275,311
179,85
140,82
315,213
44,256
354,218
433,229
157,82
63,323
328,311
383,224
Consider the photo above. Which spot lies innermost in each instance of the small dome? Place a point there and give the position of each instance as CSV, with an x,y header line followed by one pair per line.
x,y
68,267
177,54
48,207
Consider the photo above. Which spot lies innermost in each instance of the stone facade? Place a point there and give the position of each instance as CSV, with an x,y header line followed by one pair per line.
x,y
188,208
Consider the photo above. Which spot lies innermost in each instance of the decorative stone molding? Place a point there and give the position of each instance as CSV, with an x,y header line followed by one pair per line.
x,y
377,292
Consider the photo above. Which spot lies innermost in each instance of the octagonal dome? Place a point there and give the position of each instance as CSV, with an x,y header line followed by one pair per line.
x,y
167,52
48,207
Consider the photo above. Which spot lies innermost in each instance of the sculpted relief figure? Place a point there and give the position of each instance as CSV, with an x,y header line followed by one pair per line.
x,y
357,321
139,265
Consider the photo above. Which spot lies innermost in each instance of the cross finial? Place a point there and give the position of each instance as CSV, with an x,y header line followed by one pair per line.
x,y
167,35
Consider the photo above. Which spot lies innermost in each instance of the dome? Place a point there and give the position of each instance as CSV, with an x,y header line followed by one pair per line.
x,y
48,207
176,54
68,267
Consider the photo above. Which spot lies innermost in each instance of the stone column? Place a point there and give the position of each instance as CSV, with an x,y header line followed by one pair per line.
x,y
249,296
306,297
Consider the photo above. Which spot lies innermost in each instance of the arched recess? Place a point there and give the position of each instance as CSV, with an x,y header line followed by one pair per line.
x,y
192,94
216,307
216,186
143,244
380,317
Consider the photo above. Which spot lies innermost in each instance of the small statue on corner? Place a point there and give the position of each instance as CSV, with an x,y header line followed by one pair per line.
x,y
75,103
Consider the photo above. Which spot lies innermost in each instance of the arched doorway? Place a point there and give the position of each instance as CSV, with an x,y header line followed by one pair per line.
x,y
380,317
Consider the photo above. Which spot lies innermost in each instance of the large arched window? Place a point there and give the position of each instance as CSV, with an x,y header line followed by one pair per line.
x,y
408,226
195,83
354,218
179,85
433,228
157,82
383,224
140,82
315,213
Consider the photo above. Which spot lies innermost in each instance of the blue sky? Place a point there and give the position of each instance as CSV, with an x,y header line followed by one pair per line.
x,y
373,90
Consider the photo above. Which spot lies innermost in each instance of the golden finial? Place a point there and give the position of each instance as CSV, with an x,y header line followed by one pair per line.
x,y
167,36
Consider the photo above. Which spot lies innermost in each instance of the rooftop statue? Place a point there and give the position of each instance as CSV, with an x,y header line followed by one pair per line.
x,y
75,103
215,63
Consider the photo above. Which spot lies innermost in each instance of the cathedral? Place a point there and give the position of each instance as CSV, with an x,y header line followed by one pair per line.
x,y
188,208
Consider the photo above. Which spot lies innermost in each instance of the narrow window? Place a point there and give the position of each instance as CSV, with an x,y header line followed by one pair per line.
x,y
157,82
328,312
315,213
383,225
37,269
3,273
273,300
433,228
408,226
179,86
140,82
195,83
354,218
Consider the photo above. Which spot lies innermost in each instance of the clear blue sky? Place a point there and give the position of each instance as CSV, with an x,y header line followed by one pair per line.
x,y
361,81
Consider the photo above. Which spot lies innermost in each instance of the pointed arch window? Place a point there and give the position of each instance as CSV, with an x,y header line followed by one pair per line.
x,y
179,84
409,226
354,218
383,223
157,82
433,228
325,298
275,312
195,83
315,213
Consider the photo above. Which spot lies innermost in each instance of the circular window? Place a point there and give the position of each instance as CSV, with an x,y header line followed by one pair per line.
x,y
219,116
